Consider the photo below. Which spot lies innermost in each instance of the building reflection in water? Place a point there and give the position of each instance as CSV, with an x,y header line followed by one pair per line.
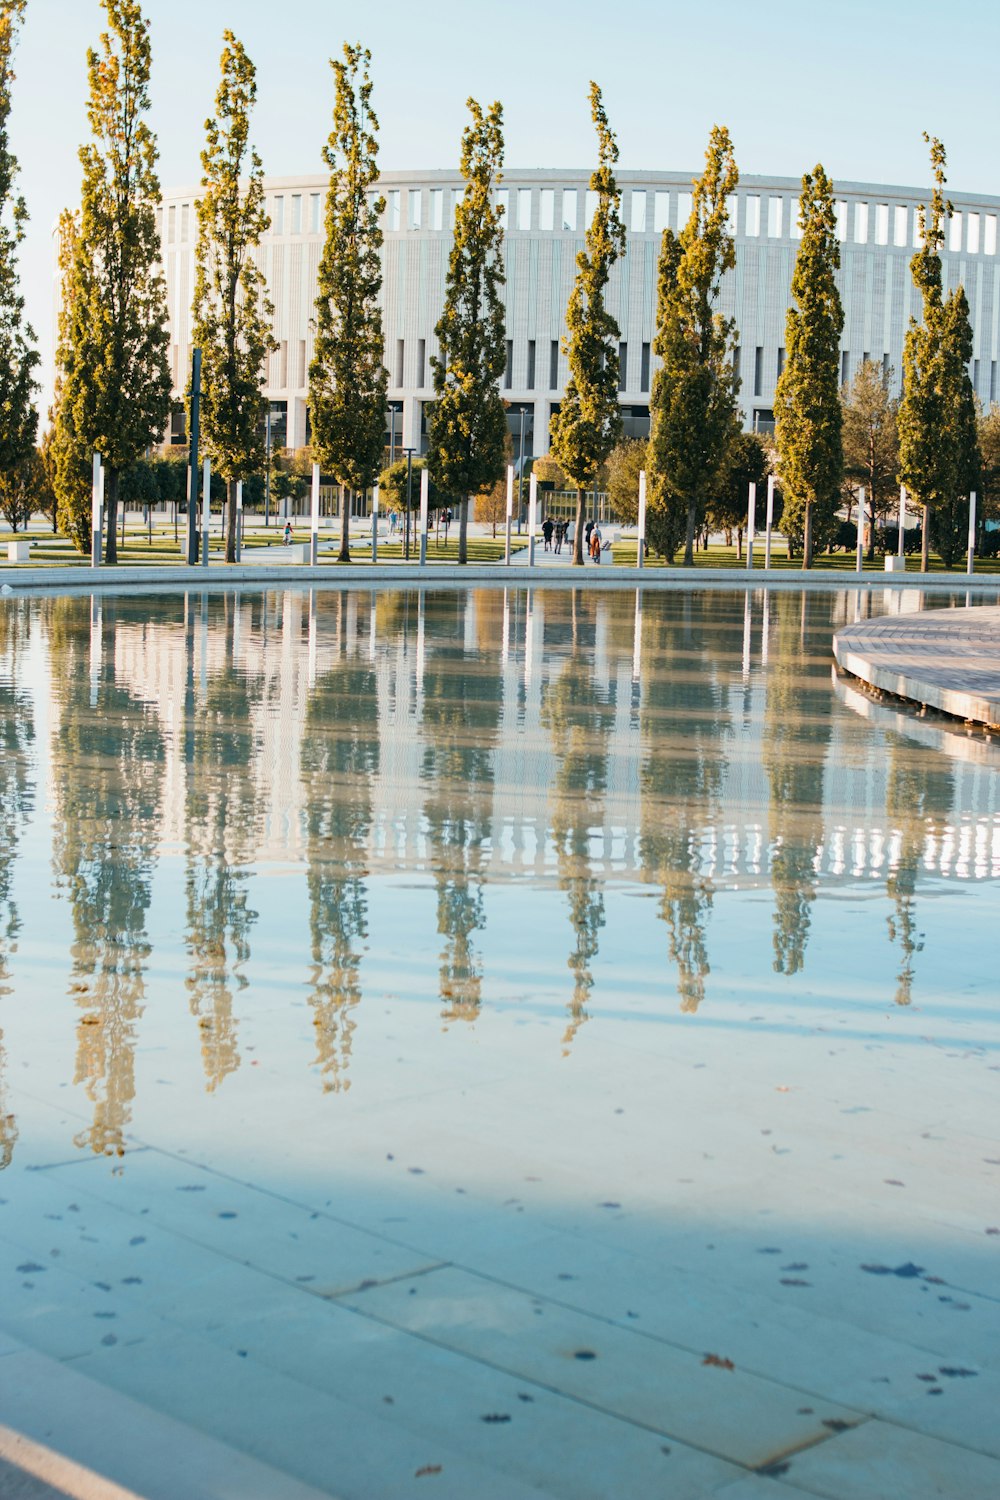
x,y
565,739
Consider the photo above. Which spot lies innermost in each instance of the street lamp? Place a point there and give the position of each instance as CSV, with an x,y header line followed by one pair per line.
x,y
520,476
267,467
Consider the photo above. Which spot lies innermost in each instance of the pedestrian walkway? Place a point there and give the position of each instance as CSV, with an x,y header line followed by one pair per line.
x,y
948,659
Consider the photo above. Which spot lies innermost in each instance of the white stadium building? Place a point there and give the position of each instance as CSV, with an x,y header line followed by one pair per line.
x,y
545,215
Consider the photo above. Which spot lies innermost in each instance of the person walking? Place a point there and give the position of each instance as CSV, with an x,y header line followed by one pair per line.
x,y
587,532
560,535
287,535
548,526
595,543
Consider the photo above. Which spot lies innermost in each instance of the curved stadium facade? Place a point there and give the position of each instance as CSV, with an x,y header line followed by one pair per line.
x,y
546,212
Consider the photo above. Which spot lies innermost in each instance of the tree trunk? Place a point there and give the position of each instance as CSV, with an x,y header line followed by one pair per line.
x,y
925,540
231,521
111,516
578,525
463,530
344,555
807,539
689,537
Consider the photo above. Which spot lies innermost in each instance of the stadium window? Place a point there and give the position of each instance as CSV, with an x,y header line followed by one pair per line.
x,y
861,223
661,211
990,234
881,223
899,226
569,209
554,365
751,226
437,208
955,233
392,202
638,207
278,216
314,213
622,366
530,382
775,208
840,211
684,201
644,369
972,240
546,208
524,208
758,371
413,207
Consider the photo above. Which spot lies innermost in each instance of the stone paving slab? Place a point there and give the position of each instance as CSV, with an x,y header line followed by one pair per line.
x,y
947,659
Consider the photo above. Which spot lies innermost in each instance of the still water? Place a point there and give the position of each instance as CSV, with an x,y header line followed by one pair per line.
x,y
490,1043
232,824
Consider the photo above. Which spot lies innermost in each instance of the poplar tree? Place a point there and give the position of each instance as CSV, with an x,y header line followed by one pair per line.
x,y
469,423
693,402
18,355
72,462
231,313
938,452
347,376
116,381
588,423
807,410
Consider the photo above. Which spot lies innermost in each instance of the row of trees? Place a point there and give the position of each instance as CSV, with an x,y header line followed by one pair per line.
x,y
113,387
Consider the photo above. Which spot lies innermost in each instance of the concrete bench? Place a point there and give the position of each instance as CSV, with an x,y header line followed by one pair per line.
x,y
19,551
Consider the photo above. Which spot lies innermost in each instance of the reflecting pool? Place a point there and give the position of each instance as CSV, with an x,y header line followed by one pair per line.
x,y
409,1000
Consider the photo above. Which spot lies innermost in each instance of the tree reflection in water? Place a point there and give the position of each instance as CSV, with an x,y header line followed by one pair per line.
x,y
919,798
17,734
684,719
339,759
107,771
579,713
797,727
223,808
462,698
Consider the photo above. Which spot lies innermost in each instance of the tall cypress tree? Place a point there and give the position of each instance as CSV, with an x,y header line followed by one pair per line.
x,y
938,456
588,423
347,377
469,424
72,461
693,403
231,313
807,410
18,355
116,381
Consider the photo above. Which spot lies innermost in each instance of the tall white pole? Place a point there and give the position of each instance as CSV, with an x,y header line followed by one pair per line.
x,y
971,560
425,490
206,509
861,528
769,520
510,512
532,517
96,512
375,524
640,549
751,521
902,517
239,519
314,517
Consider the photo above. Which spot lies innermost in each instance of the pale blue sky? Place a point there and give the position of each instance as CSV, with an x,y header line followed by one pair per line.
x,y
851,85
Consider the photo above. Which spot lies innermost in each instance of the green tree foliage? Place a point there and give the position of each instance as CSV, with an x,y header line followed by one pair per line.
x,y
231,314
693,404
116,383
393,487
748,462
18,355
469,426
72,462
989,451
871,441
347,376
938,454
588,423
808,417
625,463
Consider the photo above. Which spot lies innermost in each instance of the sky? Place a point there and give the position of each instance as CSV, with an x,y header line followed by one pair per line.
x,y
851,85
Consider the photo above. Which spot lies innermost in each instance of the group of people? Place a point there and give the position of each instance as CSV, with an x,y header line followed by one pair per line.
x,y
554,534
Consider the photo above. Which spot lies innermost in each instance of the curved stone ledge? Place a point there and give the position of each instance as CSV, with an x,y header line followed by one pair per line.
x,y
948,659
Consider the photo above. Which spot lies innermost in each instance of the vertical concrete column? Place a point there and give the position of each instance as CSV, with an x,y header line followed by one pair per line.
x,y
971,558
861,528
425,480
314,517
770,520
751,521
510,512
640,548
96,512
543,413
239,519
375,524
206,509
532,516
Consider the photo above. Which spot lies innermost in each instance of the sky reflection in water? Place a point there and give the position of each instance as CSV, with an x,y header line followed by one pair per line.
x,y
216,810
